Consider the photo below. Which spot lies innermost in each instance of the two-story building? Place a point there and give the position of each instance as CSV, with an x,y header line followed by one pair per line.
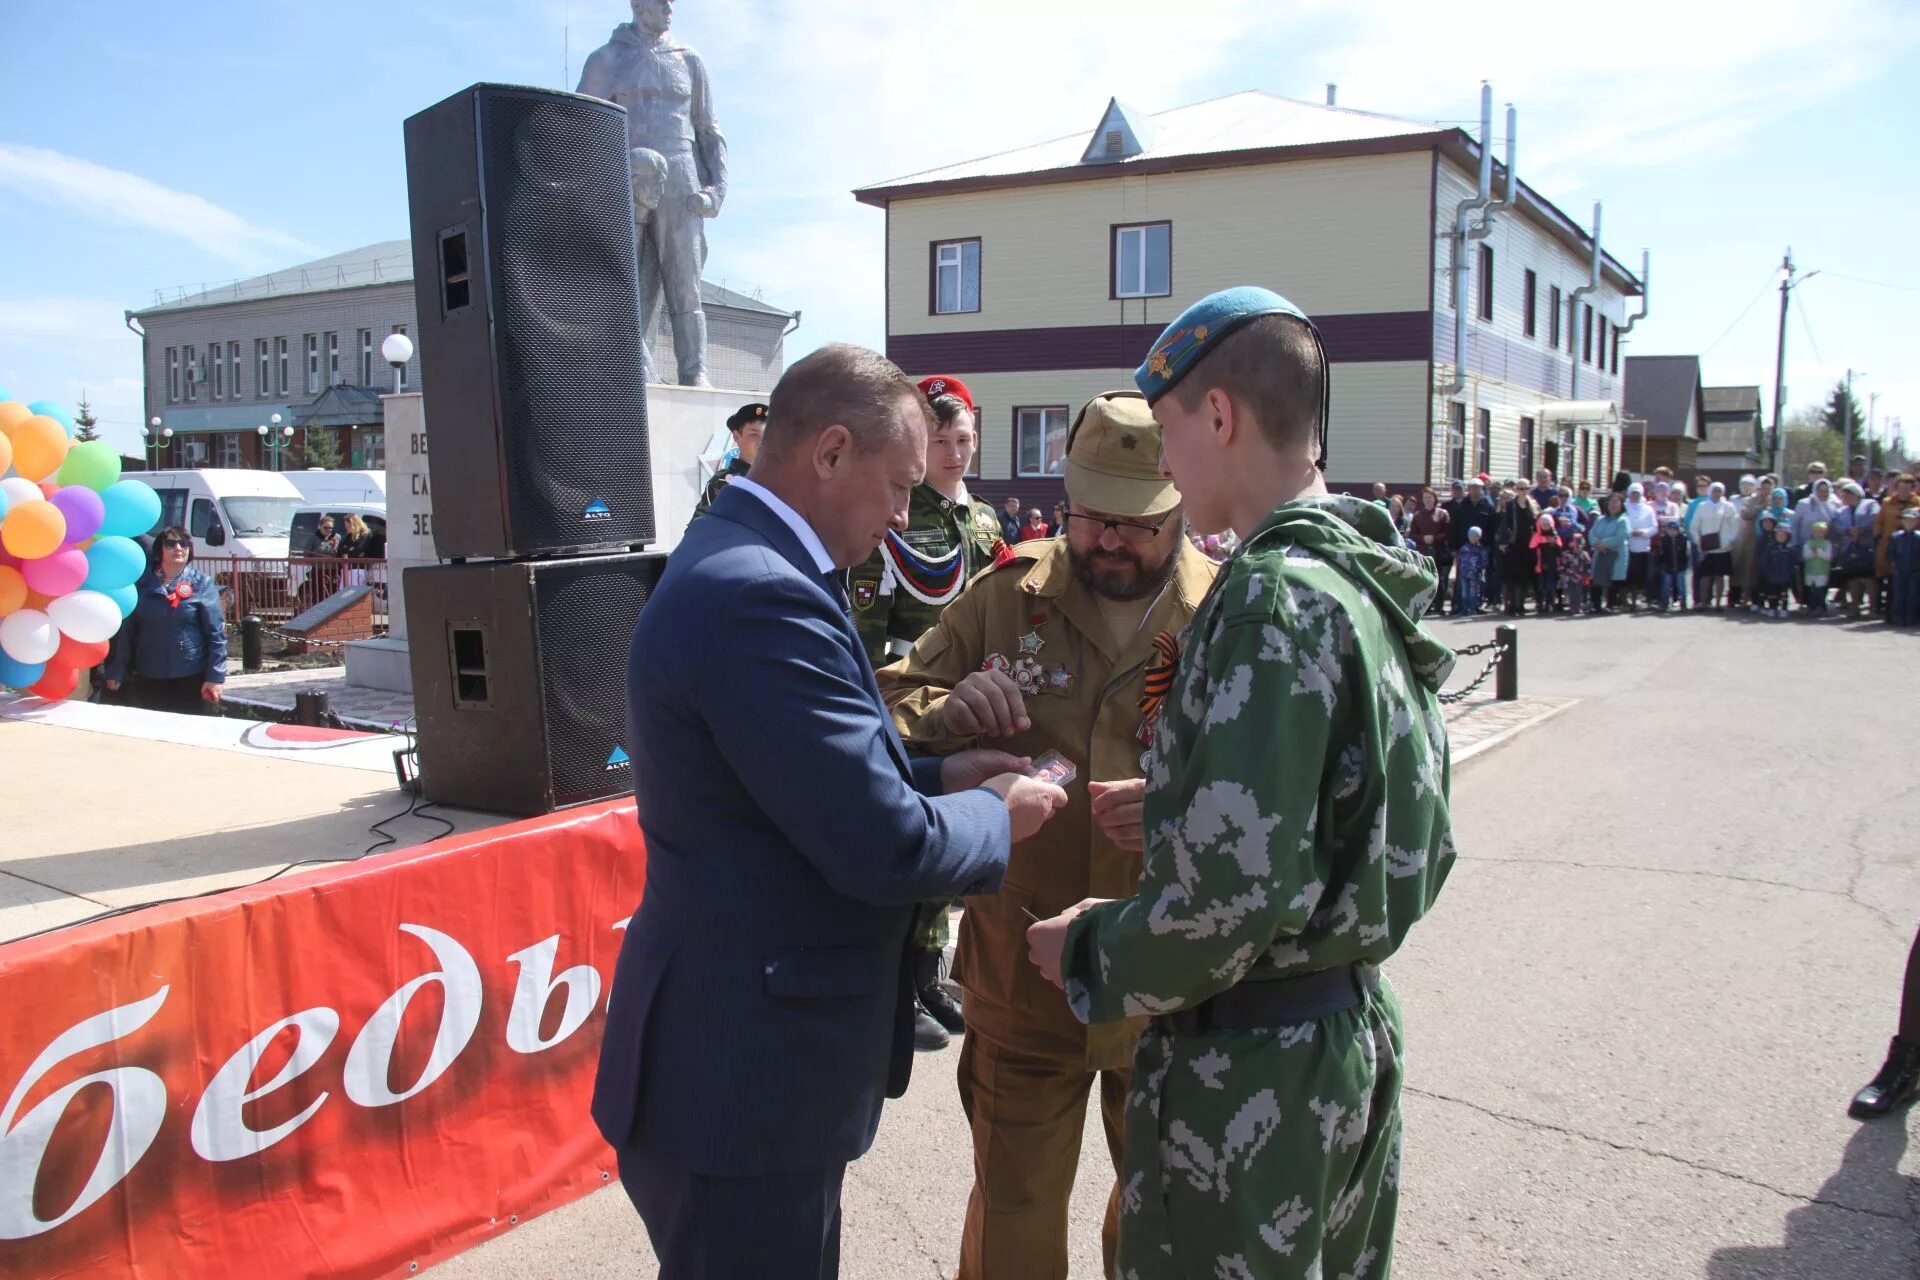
x,y
304,343
1735,443
1041,276
1665,415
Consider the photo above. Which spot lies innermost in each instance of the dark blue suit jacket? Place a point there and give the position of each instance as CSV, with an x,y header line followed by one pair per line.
x,y
759,1013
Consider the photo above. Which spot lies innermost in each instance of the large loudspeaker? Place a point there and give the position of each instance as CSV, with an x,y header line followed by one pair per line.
x,y
529,311
520,678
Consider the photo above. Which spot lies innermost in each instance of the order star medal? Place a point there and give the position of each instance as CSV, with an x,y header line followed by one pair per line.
x,y
1031,642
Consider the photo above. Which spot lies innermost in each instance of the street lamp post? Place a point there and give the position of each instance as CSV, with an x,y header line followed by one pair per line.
x,y
397,350
156,438
274,440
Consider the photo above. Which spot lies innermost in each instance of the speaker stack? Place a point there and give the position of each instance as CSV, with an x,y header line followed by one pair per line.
x,y
531,366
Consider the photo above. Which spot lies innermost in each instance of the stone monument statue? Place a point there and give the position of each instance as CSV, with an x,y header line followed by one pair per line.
x,y
679,167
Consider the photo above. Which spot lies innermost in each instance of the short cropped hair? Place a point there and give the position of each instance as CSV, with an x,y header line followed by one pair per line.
x,y
947,411
858,389
1270,367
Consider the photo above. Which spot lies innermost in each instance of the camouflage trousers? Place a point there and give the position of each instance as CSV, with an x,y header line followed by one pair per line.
x,y
930,928
1265,1155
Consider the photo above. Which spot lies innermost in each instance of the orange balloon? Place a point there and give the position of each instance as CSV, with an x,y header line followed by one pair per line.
x,y
33,529
6,447
13,589
39,447
12,414
37,602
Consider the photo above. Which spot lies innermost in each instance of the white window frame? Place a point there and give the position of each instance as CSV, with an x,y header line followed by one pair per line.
x,y
313,364
1050,420
1135,255
366,357
230,450
190,451
188,357
173,375
956,261
217,355
263,367
372,447
283,358
401,329
333,358
234,366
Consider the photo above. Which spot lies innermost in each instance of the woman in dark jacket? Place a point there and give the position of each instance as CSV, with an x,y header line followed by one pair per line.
x,y
174,655
1514,536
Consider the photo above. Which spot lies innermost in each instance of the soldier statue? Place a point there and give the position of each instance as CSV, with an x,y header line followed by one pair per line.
x,y
679,167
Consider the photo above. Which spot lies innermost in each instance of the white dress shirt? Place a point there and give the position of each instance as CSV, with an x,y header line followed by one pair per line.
x,y
792,519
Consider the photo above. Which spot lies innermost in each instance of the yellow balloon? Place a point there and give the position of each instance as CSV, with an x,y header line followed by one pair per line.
x,y
32,530
12,414
13,589
39,447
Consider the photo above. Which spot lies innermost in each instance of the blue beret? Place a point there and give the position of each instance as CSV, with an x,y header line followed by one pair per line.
x,y
1199,329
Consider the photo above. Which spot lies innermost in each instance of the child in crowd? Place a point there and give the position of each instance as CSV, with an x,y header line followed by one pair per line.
x,y
1903,553
1576,572
1470,574
1667,565
1773,566
1816,559
1546,562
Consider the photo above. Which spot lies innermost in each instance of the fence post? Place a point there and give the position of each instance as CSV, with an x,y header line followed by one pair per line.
x,y
250,640
310,708
1506,679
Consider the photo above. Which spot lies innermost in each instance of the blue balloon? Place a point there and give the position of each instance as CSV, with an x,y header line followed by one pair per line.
x,y
113,563
5,395
125,597
58,412
19,675
5,502
133,508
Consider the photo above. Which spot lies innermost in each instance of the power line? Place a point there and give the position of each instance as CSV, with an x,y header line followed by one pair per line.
x,y
1765,289
1878,284
1807,325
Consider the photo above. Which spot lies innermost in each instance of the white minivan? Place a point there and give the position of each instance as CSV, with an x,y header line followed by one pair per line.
x,y
329,489
230,512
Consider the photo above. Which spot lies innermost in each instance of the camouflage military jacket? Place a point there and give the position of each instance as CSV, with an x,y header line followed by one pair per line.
x,y
899,592
720,480
1296,810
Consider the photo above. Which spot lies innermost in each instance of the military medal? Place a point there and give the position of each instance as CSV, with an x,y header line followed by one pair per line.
x,y
1027,675
1032,643
1060,681
1157,683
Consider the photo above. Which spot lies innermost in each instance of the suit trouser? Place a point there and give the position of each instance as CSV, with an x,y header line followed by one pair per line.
x,y
1027,1115
775,1226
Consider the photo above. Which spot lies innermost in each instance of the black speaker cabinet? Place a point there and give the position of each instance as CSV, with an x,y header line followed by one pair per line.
x,y
520,678
529,312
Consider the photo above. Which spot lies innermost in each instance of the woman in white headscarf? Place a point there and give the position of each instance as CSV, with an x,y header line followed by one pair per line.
x,y
1642,523
1715,532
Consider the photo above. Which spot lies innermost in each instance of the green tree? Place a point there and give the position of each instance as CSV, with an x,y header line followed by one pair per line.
x,y
322,448
1806,437
84,422
1841,407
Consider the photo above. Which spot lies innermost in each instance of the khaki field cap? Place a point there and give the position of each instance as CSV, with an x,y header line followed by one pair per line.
x,y
1113,458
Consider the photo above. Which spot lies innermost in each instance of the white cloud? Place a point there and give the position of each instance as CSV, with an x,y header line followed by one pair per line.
x,y
56,348
113,195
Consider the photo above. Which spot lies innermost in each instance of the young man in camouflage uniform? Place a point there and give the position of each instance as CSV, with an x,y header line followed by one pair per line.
x,y
748,424
1296,828
1054,651
898,595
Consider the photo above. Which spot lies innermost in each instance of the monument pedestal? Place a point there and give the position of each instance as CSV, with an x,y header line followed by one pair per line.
x,y
681,422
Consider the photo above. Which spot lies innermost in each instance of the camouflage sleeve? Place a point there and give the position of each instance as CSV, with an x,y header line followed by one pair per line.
x,y
1231,863
870,608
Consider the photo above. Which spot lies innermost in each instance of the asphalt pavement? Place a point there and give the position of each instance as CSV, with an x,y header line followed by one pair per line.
x,y
1670,952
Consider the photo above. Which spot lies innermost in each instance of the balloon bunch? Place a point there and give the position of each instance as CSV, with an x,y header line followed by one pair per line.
x,y
68,559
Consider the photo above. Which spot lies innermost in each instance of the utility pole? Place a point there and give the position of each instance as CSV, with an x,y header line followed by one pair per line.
x,y
1780,359
1846,417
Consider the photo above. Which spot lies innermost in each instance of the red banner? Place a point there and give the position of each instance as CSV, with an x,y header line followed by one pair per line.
x,y
344,1073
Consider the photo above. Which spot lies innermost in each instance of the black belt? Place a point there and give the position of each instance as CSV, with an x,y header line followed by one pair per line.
x,y
1281,1002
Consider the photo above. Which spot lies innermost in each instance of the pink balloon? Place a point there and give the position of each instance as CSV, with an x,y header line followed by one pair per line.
x,y
82,508
57,574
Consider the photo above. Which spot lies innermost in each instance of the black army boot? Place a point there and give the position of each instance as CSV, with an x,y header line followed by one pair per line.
x,y
933,996
928,1036
1895,1086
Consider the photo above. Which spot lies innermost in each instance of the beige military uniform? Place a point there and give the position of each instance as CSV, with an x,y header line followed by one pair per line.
x,y
1028,1063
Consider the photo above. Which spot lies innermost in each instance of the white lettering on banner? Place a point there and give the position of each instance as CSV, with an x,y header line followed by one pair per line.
x,y
220,1131
535,988
365,1079
139,1107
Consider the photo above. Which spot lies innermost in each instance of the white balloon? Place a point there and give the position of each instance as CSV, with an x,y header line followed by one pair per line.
x,y
19,489
88,616
29,636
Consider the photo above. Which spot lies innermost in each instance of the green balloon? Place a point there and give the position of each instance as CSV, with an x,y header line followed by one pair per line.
x,y
92,465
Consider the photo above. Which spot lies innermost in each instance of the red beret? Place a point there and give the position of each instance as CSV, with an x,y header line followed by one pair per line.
x,y
941,384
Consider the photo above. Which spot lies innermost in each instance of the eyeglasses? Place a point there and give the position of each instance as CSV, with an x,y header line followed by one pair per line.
x,y
1125,530
174,544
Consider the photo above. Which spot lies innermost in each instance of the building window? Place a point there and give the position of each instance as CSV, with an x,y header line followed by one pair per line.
x,y
1529,323
194,372
371,450
229,454
1526,446
1143,261
1040,440
262,367
1613,365
1602,361
173,375
1486,282
1553,317
191,451
1483,440
333,359
219,370
1613,457
1456,440
400,328
366,357
233,365
280,356
1586,334
956,277
313,364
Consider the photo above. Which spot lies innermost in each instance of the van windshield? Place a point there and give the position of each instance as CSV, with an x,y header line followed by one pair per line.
x,y
260,517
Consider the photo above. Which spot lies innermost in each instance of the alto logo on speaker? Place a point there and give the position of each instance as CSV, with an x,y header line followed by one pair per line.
x,y
597,510
618,760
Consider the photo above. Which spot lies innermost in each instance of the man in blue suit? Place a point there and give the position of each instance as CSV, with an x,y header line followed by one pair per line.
x,y
760,1011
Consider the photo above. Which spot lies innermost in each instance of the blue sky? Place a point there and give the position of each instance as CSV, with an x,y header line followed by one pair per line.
x,y
149,146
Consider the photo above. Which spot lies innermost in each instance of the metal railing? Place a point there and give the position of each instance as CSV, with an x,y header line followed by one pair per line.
x,y
277,590
1503,667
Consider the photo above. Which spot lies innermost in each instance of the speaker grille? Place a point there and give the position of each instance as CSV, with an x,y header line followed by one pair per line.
x,y
585,611
560,240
